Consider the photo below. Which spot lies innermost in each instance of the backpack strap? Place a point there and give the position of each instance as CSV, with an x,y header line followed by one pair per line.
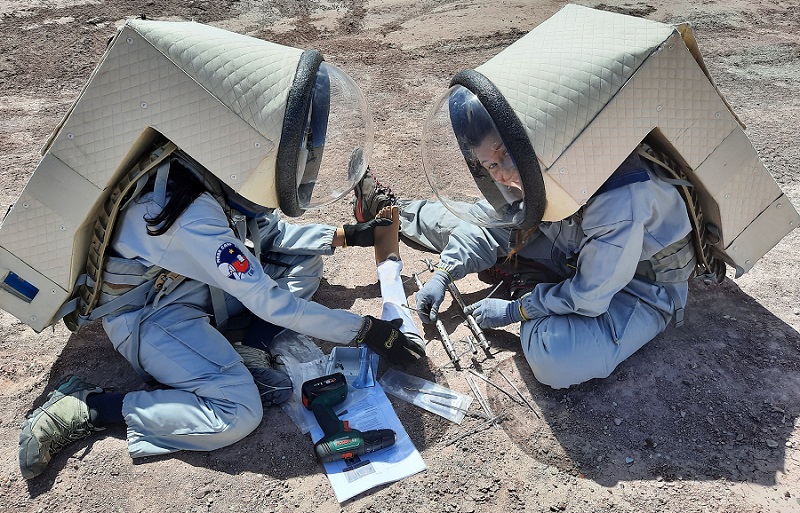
x,y
87,293
98,293
704,236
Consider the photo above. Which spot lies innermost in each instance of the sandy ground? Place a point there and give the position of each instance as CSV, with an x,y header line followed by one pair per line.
x,y
703,419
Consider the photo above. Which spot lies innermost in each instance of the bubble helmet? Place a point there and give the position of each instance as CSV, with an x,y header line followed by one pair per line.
x,y
533,133
273,127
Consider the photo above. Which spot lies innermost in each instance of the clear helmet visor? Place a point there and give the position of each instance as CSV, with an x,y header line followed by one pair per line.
x,y
336,142
468,164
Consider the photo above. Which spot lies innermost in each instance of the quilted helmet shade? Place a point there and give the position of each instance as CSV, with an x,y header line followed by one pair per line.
x,y
252,115
540,94
255,114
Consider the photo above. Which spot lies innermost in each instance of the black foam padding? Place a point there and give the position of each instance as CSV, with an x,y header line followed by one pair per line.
x,y
516,140
297,105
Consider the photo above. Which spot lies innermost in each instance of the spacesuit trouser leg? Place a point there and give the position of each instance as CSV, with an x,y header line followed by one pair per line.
x,y
565,350
212,401
429,224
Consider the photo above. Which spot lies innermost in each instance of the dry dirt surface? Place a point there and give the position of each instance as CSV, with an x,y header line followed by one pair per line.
x,y
702,419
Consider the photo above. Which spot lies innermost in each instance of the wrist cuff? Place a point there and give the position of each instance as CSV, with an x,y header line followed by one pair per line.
x,y
366,324
447,269
522,311
347,232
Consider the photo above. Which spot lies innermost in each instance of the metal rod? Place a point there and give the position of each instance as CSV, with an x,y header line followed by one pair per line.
x,y
452,406
466,411
472,346
484,378
479,396
412,309
518,392
491,292
493,420
431,392
471,322
448,344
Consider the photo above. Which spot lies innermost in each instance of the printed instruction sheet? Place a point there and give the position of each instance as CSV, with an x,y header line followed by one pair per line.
x,y
368,409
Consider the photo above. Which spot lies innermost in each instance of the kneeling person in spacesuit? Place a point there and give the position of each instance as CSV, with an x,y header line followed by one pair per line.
x,y
223,255
599,284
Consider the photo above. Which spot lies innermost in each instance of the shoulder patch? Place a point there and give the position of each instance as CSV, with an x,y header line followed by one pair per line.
x,y
232,262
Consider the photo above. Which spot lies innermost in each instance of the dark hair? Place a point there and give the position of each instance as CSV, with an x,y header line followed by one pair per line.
x,y
183,187
471,123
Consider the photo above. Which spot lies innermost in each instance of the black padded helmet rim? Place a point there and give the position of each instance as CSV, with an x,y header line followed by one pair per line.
x,y
516,140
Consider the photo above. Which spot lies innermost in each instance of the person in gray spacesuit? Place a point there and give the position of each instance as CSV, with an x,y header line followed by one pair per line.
x,y
206,254
589,290
209,399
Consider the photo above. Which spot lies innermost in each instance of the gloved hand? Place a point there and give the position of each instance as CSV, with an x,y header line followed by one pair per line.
x,y
386,339
429,298
494,313
363,234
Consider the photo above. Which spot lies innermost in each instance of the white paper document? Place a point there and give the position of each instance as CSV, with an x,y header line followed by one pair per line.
x,y
368,409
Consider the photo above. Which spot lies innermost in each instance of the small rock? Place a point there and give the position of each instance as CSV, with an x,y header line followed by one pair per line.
x,y
628,460
617,421
772,444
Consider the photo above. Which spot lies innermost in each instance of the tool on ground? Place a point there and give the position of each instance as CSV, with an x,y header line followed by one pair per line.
x,y
466,411
472,346
518,392
339,442
493,420
481,399
484,378
448,344
471,322
428,395
430,392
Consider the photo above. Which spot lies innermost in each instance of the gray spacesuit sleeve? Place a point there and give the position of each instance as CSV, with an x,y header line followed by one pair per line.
x,y
279,236
608,255
470,249
464,248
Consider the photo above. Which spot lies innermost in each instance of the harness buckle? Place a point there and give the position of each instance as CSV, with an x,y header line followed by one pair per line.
x,y
165,279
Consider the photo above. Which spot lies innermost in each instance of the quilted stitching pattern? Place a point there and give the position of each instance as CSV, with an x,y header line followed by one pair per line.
x,y
744,197
218,95
42,236
669,91
250,76
589,85
561,74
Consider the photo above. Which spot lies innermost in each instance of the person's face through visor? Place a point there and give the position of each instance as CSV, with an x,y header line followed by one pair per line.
x,y
492,154
468,164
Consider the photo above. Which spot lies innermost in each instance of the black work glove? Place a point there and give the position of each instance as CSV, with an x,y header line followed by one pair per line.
x,y
386,339
363,234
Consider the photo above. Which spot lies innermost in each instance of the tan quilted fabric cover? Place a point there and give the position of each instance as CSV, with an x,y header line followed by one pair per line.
x,y
218,95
